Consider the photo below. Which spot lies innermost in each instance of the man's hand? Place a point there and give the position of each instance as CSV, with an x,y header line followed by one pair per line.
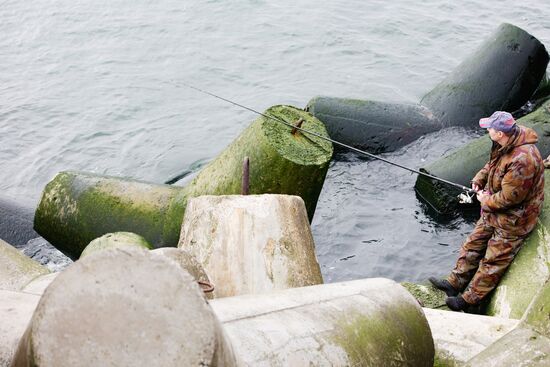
x,y
482,196
476,187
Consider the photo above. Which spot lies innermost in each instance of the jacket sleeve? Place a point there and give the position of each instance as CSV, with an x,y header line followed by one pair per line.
x,y
515,186
481,177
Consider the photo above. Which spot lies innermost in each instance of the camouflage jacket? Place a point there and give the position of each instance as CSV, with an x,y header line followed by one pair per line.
x,y
514,176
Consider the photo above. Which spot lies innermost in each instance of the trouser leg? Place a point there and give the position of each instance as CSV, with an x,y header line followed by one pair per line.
x,y
501,250
470,254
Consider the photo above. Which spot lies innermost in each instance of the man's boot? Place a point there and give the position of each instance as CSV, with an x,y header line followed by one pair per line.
x,y
444,285
456,303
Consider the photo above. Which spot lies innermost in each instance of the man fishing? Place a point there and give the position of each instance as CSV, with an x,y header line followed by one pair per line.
x,y
510,190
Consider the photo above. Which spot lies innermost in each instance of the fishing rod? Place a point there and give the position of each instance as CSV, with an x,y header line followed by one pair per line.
x,y
462,187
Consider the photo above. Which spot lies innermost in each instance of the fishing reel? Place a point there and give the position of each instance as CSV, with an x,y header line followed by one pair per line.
x,y
466,197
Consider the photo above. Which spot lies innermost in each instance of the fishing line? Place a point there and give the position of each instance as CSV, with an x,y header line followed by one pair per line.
x,y
464,188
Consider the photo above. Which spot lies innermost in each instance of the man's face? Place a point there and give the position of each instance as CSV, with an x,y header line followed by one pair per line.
x,y
495,135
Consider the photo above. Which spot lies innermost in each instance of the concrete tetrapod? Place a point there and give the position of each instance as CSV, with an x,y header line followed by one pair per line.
x,y
16,222
78,207
528,272
16,269
370,322
370,125
500,75
460,336
461,165
190,264
526,345
117,239
107,309
251,244
16,309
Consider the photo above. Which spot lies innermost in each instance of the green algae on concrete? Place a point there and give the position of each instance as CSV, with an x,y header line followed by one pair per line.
x,y
527,273
537,315
78,207
375,341
520,347
528,344
113,240
280,162
441,360
427,295
501,74
371,125
16,269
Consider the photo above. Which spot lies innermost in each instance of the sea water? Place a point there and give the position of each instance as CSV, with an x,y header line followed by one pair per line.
x,y
97,86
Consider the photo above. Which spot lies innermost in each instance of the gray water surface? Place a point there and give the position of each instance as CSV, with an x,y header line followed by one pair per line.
x,y
96,86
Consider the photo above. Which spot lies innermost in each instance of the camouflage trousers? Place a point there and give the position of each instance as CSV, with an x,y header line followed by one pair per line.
x,y
483,260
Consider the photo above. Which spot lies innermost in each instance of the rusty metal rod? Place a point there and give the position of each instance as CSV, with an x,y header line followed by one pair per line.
x,y
245,188
297,125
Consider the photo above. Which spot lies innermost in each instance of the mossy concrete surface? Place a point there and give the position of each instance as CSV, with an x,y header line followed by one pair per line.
x,y
462,165
124,307
280,162
529,271
251,243
16,221
370,322
113,240
537,316
501,74
16,269
426,295
371,125
521,347
460,336
77,207
526,345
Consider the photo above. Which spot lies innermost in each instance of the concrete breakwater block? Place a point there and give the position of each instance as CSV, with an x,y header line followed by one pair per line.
x,y
16,309
371,125
77,207
461,165
526,345
460,336
370,322
16,221
108,309
528,272
280,162
113,240
501,74
16,269
190,264
520,347
251,244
